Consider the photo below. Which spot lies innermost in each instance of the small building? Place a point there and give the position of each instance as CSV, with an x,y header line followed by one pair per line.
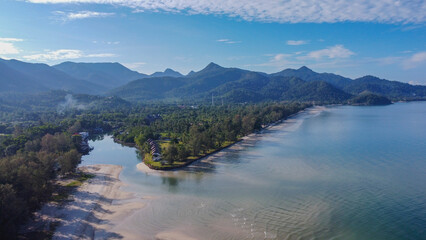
x,y
155,150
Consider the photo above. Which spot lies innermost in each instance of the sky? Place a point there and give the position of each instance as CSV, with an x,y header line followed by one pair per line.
x,y
384,38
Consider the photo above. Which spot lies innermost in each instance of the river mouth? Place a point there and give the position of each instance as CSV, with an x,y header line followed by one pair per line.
x,y
329,173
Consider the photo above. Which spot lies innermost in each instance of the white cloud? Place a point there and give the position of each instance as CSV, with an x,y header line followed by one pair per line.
x,y
337,51
384,11
416,83
55,55
279,57
62,54
103,42
68,16
331,56
279,61
228,41
7,46
135,66
415,60
100,55
296,42
11,40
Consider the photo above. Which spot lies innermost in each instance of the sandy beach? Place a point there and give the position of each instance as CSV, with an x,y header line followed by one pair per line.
x,y
205,162
95,209
99,209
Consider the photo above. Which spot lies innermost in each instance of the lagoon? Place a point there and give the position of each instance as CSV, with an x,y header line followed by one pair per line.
x,y
339,172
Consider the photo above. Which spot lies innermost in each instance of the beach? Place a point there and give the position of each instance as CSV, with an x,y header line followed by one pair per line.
x,y
99,209
289,123
94,210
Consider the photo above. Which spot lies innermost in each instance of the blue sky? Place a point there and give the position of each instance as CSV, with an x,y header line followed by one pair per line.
x,y
384,38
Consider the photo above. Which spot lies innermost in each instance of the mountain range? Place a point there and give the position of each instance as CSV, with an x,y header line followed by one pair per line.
x,y
239,85
93,78
214,81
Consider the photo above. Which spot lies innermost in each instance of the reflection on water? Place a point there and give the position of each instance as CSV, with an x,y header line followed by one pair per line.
x,y
341,173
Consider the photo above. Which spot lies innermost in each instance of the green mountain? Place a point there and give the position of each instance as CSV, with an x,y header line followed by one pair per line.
x,y
369,99
43,77
391,89
231,85
167,73
109,75
60,100
214,81
308,75
15,81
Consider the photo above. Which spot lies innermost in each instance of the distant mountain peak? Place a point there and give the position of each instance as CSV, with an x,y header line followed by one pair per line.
x,y
305,69
213,65
168,72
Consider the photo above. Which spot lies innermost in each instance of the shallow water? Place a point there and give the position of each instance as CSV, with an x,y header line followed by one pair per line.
x,y
335,173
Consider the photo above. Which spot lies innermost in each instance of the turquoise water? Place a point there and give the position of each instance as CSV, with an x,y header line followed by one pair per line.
x,y
339,172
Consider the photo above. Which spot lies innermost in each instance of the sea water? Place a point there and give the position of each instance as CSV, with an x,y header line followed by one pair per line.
x,y
339,172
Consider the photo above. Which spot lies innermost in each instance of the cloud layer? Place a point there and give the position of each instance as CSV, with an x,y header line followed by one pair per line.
x,y
7,46
415,60
228,41
296,42
68,16
62,54
289,11
337,51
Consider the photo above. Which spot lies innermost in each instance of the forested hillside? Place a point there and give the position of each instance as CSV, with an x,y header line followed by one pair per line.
x,y
234,85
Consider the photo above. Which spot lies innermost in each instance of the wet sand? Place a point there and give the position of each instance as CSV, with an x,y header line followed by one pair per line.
x,y
246,140
95,210
100,210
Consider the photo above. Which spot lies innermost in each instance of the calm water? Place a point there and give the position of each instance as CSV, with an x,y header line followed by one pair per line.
x,y
341,173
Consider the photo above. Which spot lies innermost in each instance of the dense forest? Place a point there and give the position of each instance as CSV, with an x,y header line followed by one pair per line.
x,y
30,159
187,133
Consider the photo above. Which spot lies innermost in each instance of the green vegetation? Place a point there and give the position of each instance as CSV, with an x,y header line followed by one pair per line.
x,y
80,180
233,85
186,134
369,99
30,159
37,142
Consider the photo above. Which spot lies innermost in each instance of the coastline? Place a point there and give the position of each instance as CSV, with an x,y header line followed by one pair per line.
x,y
145,168
99,208
94,210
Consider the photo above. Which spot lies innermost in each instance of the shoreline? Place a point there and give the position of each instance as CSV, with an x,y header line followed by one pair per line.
x,y
143,167
95,210
98,209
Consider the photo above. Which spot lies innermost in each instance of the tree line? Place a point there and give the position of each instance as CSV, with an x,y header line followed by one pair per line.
x,y
29,162
192,132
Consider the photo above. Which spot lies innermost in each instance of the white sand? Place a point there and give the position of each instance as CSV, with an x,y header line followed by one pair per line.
x,y
97,207
293,120
173,235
